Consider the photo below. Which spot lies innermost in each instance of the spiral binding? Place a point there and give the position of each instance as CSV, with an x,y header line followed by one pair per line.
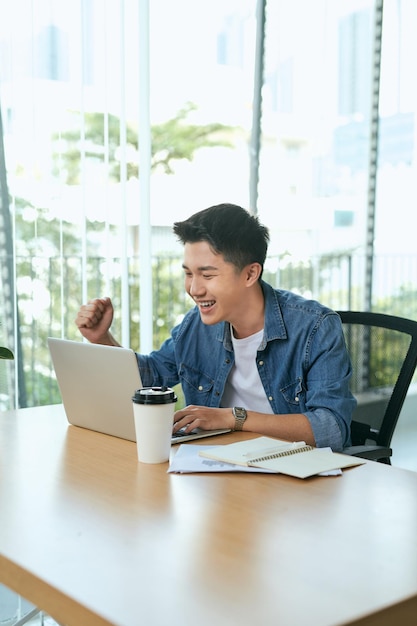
x,y
280,454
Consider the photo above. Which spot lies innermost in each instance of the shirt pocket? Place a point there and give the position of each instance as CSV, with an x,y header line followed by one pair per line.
x,y
294,394
196,385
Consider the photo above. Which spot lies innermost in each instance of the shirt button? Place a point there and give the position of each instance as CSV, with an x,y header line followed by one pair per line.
x,y
200,388
227,360
270,398
261,362
297,399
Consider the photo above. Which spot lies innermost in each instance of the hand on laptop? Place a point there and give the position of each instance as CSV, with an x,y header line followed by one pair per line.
x,y
94,320
206,418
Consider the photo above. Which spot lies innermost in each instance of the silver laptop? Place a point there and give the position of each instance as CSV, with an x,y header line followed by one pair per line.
x,y
97,384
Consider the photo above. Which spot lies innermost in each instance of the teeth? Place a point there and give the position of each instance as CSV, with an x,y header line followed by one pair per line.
x,y
206,304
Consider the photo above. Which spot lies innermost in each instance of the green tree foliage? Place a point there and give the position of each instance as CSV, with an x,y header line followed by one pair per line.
x,y
171,140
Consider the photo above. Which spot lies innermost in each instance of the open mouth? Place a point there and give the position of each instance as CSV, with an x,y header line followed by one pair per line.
x,y
205,305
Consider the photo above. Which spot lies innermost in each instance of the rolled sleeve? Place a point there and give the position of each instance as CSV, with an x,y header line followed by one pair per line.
x,y
329,402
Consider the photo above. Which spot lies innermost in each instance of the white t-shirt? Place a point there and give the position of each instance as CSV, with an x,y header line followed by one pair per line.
x,y
243,385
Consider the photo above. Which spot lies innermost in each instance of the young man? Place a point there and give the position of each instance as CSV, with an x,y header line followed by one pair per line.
x,y
248,357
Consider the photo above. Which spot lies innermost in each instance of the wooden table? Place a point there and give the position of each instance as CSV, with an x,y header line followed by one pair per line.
x,y
94,537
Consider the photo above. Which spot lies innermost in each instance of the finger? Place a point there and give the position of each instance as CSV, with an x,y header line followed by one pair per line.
x,y
187,422
179,415
87,318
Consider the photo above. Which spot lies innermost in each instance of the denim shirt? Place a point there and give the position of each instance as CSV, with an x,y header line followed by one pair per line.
x,y
302,362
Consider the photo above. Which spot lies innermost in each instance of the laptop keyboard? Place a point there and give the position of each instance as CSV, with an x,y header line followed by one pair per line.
x,y
181,433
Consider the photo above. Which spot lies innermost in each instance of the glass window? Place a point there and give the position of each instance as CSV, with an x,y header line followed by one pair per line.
x,y
120,117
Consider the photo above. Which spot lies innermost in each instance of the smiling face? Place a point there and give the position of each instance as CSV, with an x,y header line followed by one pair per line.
x,y
219,289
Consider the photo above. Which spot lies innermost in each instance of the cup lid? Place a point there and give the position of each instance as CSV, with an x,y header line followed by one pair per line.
x,y
154,395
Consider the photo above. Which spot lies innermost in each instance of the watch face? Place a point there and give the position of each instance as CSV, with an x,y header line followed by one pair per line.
x,y
240,417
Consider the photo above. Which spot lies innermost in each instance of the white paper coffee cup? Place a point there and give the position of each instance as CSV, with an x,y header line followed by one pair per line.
x,y
153,412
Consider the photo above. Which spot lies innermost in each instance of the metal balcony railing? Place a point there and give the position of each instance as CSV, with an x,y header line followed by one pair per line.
x,y
49,293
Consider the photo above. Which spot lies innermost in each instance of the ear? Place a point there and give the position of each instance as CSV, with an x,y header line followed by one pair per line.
x,y
252,273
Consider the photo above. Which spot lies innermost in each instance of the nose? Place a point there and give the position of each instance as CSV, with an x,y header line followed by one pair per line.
x,y
195,286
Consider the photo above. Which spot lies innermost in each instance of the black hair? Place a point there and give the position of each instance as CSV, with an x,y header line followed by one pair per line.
x,y
230,230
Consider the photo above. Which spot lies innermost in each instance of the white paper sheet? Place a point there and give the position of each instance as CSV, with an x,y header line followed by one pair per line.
x,y
187,460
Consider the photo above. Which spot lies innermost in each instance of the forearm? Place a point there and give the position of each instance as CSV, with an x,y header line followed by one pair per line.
x,y
291,427
104,339
109,340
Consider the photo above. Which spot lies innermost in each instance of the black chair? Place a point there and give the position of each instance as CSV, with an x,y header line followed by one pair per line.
x,y
383,350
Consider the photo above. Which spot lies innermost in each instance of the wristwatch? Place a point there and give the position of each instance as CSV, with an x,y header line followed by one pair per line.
x,y
240,415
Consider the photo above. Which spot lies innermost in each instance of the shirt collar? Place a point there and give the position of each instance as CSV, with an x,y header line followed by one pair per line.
x,y
274,327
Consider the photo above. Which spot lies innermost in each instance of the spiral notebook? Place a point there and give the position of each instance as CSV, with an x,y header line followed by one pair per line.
x,y
295,459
